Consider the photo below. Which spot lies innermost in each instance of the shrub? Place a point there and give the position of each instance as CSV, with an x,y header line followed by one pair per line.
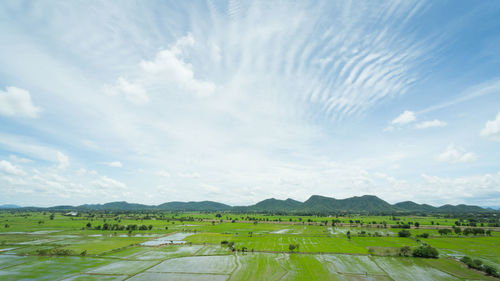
x,y
444,231
425,252
490,270
55,252
404,233
477,264
405,251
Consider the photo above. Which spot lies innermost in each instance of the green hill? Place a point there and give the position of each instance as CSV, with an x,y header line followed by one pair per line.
x,y
194,206
315,204
275,205
414,207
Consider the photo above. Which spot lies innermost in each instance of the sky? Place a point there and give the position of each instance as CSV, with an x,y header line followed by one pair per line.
x,y
235,102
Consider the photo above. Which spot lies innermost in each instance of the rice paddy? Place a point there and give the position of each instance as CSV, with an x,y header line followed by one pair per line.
x,y
65,249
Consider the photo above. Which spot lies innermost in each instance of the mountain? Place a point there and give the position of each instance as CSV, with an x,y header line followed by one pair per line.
x,y
460,209
366,203
9,206
194,206
116,206
414,207
314,205
275,205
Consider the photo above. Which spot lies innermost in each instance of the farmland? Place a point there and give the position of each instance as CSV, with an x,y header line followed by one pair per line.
x,y
210,246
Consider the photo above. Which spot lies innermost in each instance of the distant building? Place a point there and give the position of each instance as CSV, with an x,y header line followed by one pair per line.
x,y
71,214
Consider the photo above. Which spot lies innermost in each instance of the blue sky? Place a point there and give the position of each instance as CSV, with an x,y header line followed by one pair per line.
x,y
156,101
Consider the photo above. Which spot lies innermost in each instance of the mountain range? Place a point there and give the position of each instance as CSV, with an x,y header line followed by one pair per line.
x,y
315,204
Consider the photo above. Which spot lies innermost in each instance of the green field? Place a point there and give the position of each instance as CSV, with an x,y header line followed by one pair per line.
x,y
187,246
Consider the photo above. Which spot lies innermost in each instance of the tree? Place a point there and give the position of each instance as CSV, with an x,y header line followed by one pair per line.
x,y
417,224
424,235
405,251
490,270
51,216
291,247
89,225
444,231
150,227
467,260
425,252
404,233
477,264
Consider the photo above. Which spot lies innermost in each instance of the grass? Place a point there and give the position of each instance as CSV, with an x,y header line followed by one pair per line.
x,y
351,264
123,267
484,248
200,264
411,269
258,266
53,268
455,268
308,267
99,245
324,252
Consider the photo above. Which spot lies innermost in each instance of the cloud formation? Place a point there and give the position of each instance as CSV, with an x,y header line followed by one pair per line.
x,y
491,129
133,92
7,167
63,160
115,164
453,154
404,118
237,102
430,124
16,102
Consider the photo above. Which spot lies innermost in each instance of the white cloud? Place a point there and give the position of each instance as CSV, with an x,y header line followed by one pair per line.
x,y
163,173
17,102
477,189
491,129
63,160
90,144
476,91
28,146
19,159
8,168
169,66
109,183
389,129
83,171
404,118
115,164
454,154
193,175
133,92
257,122
430,124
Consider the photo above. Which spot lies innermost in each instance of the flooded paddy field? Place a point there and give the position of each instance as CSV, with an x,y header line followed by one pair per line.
x,y
67,249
